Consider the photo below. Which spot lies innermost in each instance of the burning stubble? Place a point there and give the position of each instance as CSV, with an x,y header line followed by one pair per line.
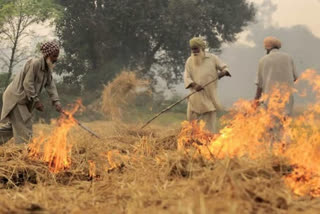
x,y
255,134
235,171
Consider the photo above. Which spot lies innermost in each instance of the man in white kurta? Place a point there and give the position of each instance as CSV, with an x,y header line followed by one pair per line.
x,y
276,71
201,68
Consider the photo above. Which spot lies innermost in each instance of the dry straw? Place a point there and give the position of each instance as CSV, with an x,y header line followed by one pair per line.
x,y
134,171
143,172
119,93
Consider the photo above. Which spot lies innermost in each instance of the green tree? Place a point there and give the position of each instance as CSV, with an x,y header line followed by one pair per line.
x,y
16,19
100,37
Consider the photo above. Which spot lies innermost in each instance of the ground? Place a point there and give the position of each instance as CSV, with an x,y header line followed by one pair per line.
x,y
141,171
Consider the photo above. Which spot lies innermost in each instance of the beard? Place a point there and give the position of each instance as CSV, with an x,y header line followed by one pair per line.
x,y
197,58
50,63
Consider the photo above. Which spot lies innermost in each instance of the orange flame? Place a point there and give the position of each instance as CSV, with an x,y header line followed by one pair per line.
x,y
55,149
256,132
113,158
92,169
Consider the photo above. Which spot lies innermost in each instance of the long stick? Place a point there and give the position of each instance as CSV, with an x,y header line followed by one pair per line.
x,y
81,125
173,105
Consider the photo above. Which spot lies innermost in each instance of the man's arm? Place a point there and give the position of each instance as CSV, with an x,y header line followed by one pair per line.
x,y
28,83
259,85
294,71
258,94
188,81
53,93
222,68
256,101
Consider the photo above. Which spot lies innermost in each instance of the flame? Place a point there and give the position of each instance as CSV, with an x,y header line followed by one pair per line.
x,y
54,148
255,133
244,135
92,169
112,157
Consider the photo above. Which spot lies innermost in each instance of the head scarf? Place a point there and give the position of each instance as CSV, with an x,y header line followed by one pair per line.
x,y
198,42
50,48
271,42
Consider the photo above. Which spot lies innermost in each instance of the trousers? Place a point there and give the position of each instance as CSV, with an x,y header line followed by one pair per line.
x,y
17,128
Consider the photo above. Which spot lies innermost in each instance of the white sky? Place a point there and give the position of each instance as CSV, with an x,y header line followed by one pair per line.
x,y
296,12
289,13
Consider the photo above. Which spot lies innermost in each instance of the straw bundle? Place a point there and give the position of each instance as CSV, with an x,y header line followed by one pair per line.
x,y
122,91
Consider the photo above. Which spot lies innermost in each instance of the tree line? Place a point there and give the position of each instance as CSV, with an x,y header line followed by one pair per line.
x,y
102,37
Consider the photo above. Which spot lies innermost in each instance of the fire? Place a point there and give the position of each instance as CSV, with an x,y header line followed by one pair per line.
x,y
254,133
194,134
92,169
113,157
54,148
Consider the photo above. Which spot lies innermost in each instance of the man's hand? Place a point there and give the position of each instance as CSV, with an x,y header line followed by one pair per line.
x,y
227,74
58,107
196,87
224,73
39,106
255,104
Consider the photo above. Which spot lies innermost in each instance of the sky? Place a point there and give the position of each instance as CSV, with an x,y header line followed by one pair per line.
x,y
286,14
297,12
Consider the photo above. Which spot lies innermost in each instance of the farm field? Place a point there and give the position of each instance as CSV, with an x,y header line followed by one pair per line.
x,y
134,171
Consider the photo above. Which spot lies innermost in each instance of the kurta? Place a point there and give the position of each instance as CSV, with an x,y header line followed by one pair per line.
x,y
204,104
26,87
207,99
277,69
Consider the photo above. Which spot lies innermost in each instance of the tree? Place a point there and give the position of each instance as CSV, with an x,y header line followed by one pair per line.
x,y
16,19
102,36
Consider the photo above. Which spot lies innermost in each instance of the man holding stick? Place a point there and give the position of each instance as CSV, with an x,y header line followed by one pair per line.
x,y
201,68
21,97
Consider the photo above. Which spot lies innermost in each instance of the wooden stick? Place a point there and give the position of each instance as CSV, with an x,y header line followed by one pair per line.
x,y
173,105
80,124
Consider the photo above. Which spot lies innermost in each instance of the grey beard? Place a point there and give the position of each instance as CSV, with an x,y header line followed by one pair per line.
x,y
197,60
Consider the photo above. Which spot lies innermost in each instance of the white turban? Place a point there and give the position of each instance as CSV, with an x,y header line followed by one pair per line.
x,y
198,42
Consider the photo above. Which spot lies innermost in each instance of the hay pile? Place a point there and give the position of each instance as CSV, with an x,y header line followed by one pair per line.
x,y
119,93
143,172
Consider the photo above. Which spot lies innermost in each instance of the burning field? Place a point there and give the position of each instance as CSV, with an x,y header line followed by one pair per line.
x,y
260,162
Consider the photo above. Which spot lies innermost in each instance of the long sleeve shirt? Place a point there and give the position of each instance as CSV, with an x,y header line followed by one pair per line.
x,y
277,70
207,99
26,88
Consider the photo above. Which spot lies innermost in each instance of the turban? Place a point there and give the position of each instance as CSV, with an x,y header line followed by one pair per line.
x,y
198,42
50,48
271,42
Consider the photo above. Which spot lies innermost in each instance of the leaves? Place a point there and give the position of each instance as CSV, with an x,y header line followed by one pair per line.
x,y
16,18
101,37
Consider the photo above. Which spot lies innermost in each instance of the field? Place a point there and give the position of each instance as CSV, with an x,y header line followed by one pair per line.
x,y
134,171
259,163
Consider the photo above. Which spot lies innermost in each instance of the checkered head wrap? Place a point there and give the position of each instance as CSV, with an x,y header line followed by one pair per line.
x,y
50,48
